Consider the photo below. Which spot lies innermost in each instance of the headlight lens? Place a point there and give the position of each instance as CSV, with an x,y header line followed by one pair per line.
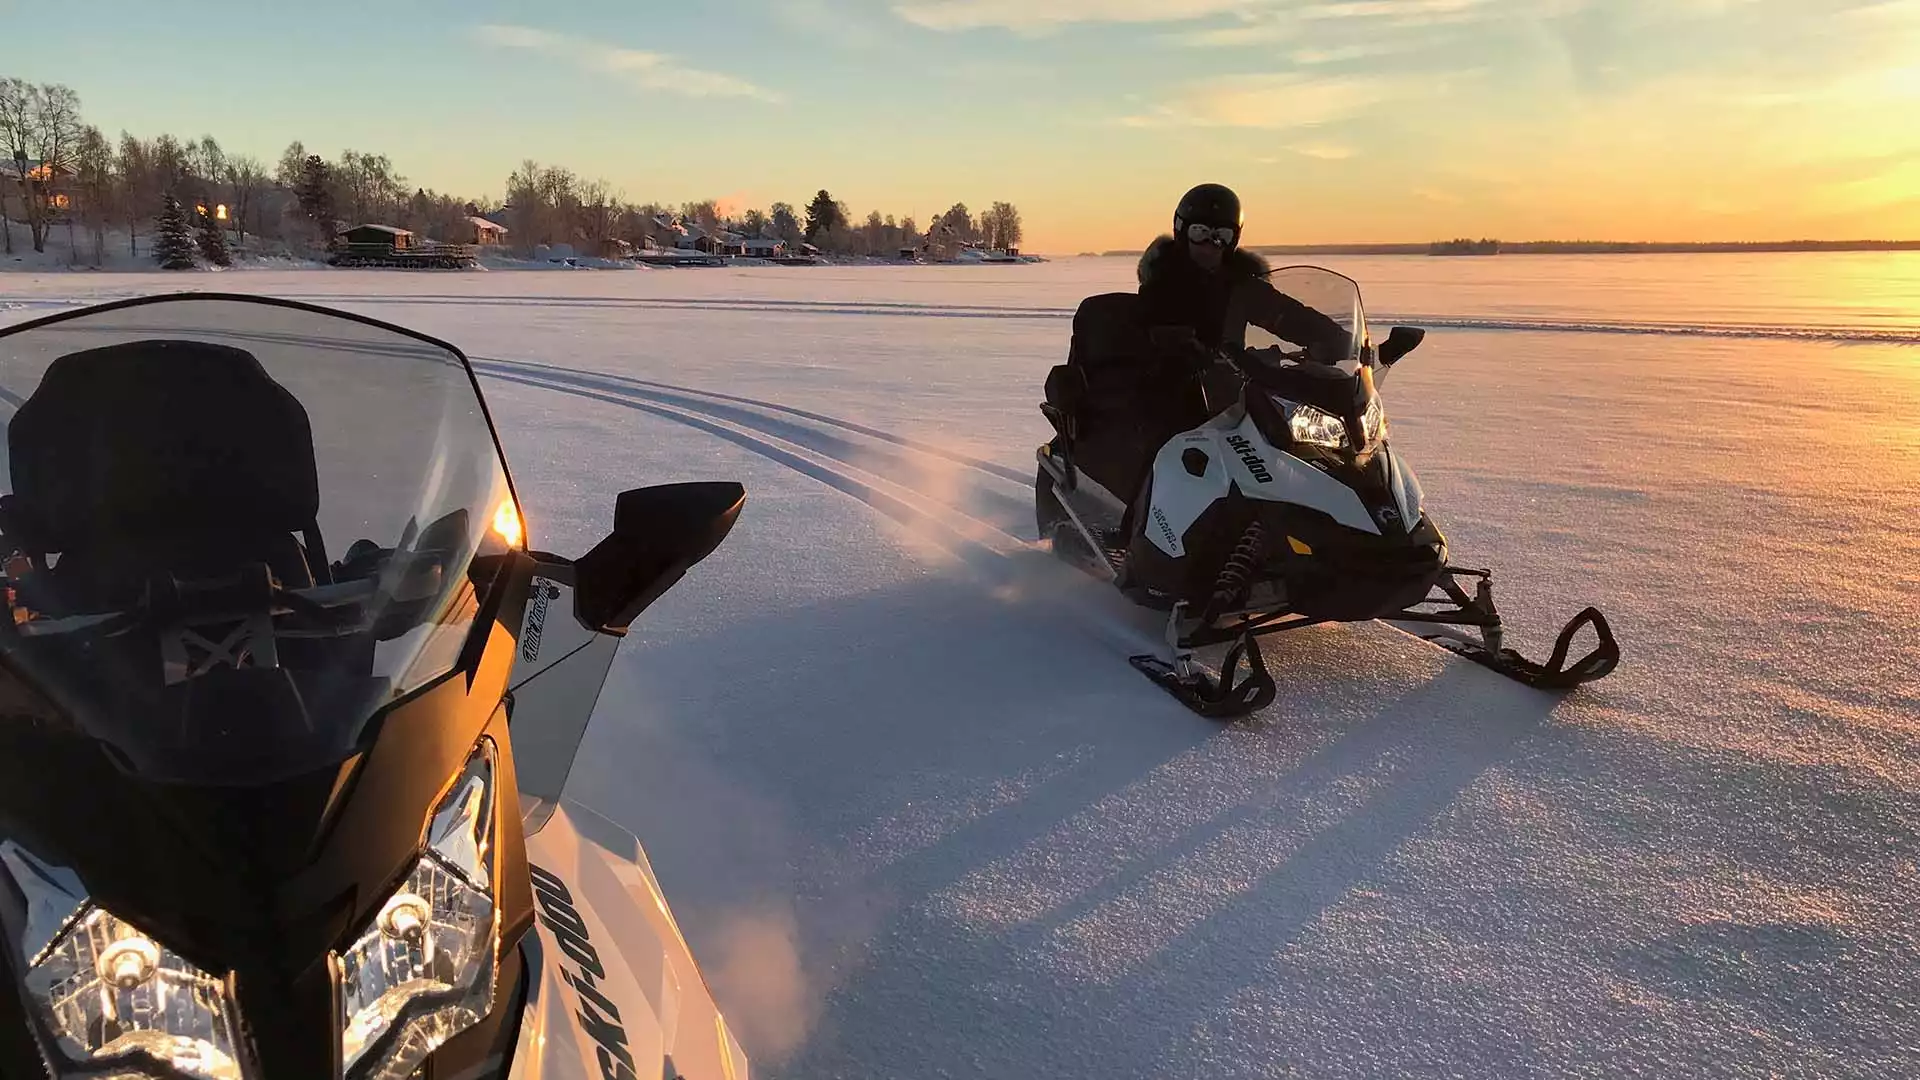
x,y
108,999
114,996
1316,427
115,1003
1373,422
424,970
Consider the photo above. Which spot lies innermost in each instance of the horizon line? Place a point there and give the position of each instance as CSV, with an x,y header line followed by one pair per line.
x,y
1519,246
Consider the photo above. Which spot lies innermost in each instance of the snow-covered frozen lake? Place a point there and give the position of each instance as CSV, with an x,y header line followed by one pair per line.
x,y
919,818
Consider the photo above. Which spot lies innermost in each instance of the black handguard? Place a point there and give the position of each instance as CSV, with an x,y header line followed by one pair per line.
x,y
1330,351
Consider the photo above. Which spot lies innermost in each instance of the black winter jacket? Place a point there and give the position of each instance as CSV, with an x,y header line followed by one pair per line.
x,y
1219,306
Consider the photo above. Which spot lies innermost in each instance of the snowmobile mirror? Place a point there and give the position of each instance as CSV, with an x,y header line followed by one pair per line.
x,y
1400,341
658,534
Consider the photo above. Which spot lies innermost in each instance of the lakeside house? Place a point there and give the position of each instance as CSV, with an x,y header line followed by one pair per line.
x,y
692,236
384,238
54,187
389,245
482,232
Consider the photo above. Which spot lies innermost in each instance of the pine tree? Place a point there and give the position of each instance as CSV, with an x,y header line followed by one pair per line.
x,y
315,191
823,215
173,241
213,240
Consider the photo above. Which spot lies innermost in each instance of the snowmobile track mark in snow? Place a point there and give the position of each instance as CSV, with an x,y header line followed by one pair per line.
x,y
881,308
839,475
1014,476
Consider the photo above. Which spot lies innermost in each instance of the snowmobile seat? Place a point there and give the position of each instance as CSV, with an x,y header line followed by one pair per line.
x,y
1112,386
160,456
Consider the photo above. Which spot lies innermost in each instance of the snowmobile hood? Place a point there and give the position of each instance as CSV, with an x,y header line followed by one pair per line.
x,y
617,992
264,570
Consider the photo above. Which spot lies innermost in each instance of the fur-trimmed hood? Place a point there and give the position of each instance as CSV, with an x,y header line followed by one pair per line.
x,y
1166,251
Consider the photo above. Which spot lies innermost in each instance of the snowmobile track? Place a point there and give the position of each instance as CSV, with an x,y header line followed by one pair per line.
x,y
632,384
894,500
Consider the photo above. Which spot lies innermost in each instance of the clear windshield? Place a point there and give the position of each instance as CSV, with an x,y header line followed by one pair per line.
x,y
236,528
1334,295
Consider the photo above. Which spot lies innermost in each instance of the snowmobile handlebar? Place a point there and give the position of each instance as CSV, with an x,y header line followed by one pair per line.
x,y
1181,343
386,603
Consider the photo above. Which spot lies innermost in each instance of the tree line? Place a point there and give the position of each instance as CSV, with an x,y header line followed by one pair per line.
x,y
548,204
77,175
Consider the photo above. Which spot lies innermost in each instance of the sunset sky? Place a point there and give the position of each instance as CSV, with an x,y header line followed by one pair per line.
x,y
1338,120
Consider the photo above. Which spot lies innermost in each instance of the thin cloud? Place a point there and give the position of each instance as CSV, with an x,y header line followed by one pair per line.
x,y
826,20
1313,24
1347,53
1400,12
1264,31
1034,15
1325,151
635,67
1260,20
1279,101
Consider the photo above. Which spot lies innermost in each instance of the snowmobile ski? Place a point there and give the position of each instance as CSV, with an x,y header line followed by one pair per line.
x,y
1556,673
1230,697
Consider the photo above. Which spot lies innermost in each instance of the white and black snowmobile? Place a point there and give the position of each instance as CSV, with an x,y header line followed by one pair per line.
x,y
271,807
1286,507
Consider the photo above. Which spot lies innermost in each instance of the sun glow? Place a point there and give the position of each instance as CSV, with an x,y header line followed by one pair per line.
x,y
507,523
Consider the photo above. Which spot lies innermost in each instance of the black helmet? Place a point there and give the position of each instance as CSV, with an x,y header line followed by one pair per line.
x,y
1210,205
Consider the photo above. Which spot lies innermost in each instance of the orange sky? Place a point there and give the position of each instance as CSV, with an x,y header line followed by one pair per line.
x,y
1338,120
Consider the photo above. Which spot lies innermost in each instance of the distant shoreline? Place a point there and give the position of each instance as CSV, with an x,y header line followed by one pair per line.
x,y
1580,247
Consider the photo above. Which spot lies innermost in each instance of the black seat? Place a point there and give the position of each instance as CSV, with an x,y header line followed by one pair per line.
x,y
1114,385
161,457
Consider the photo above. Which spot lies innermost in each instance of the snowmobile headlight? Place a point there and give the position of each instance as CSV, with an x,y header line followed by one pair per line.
x,y
424,969
107,998
1373,422
1316,427
119,1003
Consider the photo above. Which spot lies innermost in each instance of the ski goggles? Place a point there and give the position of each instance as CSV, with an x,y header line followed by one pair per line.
x,y
1212,234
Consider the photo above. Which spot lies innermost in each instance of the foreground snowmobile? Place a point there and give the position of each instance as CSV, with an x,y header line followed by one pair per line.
x,y
1286,508
274,807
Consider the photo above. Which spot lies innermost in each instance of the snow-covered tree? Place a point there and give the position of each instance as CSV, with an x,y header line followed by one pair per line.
x,y
173,240
213,239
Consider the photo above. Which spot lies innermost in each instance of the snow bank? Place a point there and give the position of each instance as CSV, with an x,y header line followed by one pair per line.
x,y
76,252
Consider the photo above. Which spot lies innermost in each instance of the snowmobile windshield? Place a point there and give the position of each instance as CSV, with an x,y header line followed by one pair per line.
x,y
237,528
1334,298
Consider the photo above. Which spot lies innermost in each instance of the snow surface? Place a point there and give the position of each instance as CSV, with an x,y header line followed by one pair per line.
x,y
918,818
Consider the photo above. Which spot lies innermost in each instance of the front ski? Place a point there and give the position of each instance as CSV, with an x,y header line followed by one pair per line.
x,y
1556,673
1229,697
1489,651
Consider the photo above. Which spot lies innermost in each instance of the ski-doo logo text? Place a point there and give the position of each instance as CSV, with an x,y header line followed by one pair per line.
x,y
1250,459
543,592
598,1017
1166,530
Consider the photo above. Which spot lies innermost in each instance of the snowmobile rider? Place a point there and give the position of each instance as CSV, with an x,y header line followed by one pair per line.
x,y
1200,278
